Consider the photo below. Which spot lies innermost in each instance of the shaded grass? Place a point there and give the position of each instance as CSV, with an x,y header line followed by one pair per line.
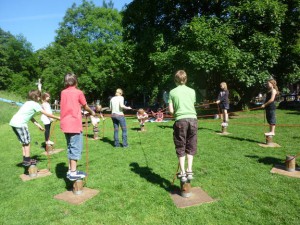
x,y
134,183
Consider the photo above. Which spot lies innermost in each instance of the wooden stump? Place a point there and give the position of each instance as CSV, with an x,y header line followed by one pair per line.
x,y
78,187
269,139
290,163
185,189
32,171
49,149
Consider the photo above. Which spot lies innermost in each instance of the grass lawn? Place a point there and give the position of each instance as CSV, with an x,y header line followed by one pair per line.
x,y
134,183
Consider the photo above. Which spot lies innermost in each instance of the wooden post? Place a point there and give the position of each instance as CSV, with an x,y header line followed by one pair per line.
x,y
290,163
186,189
32,170
269,139
96,132
49,149
78,187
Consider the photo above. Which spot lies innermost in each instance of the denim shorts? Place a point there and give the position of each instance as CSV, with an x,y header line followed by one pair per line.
x,y
22,134
271,118
185,136
74,145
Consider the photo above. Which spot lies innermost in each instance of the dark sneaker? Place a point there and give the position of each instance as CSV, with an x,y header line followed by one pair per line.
x,y
78,175
29,163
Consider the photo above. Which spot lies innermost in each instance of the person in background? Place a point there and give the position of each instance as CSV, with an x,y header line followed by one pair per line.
x,y
270,106
117,115
46,120
223,101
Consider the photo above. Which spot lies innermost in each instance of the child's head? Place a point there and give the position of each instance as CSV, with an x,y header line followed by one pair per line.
x,y
159,110
180,77
98,108
119,91
34,95
223,86
272,84
70,80
45,96
141,111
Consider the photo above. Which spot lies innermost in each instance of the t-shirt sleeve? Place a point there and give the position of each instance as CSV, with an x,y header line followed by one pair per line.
x,y
82,99
37,107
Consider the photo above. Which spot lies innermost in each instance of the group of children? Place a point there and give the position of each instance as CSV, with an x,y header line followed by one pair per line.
x,y
180,105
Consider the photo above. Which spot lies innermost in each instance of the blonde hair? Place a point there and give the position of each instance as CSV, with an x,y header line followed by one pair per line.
x,y
119,91
224,85
98,108
180,77
70,80
141,111
274,84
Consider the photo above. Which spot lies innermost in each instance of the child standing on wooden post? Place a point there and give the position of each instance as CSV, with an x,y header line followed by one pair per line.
x,y
72,99
46,120
20,120
181,105
223,100
142,117
270,106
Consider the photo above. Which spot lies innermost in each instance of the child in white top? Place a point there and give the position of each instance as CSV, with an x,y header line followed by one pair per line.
x,y
45,119
142,118
21,118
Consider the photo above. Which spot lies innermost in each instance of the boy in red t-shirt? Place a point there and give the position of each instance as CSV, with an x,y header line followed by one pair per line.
x,y
72,99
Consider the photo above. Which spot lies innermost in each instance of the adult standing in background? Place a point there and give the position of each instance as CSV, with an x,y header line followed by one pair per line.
x,y
117,106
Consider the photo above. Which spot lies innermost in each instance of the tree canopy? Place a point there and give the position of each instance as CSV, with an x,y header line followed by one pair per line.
x,y
140,48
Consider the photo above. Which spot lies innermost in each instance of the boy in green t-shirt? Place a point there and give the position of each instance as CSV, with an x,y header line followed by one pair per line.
x,y
181,105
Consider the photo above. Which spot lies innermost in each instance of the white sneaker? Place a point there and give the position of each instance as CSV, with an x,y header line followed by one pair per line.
x,y
49,142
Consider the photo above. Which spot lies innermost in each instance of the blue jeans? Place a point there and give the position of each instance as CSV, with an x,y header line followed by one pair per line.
x,y
74,144
119,120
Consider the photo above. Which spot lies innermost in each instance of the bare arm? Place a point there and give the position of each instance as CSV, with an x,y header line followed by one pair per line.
x,y
36,123
87,108
171,108
50,115
272,99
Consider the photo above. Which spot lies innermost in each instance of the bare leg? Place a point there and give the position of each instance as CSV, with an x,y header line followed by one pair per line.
x,y
181,163
190,163
225,115
72,165
26,150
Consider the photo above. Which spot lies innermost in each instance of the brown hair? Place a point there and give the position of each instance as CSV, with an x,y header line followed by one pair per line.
x,y
45,95
34,95
180,77
70,80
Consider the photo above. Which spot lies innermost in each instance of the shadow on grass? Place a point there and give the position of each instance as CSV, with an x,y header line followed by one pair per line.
x,y
267,160
61,170
150,176
165,126
109,141
136,128
242,139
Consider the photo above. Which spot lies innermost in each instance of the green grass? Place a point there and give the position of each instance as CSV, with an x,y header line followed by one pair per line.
x,y
134,183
